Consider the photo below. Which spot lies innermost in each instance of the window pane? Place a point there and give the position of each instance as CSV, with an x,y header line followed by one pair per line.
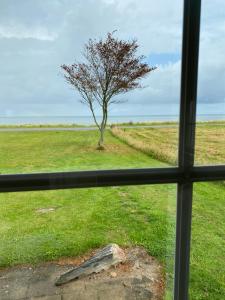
x,y
65,226
210,139
207,277
35,40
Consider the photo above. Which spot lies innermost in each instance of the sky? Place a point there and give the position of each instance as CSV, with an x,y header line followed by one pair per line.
x,y
37,36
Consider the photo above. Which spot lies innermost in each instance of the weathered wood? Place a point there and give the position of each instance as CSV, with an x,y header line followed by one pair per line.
x,y
103,260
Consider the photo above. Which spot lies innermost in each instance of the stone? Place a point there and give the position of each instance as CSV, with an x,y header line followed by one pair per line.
x,y
113,274
45,210
109,256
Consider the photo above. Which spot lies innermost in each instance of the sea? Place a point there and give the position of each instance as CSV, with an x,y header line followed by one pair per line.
x,y
87,120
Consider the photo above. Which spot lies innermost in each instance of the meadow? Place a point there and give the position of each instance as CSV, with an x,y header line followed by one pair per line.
x,y
162,142
83,219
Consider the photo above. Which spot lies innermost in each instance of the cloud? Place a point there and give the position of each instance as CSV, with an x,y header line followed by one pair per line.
x,y
21,32
211,87
36,37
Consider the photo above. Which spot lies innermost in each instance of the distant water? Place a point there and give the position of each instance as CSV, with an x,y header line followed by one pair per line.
x,y
87,120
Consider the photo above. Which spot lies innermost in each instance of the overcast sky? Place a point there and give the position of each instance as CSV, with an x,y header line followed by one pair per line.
x,y
37,36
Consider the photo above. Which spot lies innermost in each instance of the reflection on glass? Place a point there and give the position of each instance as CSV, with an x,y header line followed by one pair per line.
x,y
207,277
60,132
210,139
65,226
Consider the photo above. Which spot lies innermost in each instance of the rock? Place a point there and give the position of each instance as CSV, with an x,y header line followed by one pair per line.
x,y
45,210
113,274
109,256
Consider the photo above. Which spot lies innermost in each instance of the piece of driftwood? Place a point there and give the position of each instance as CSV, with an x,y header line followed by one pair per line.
x,y
109,256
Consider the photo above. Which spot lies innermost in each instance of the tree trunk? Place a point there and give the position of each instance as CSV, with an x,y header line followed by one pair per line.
x,y
101,138
102,128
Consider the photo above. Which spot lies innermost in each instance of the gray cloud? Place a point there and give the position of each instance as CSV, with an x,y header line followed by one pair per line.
x,y
36,37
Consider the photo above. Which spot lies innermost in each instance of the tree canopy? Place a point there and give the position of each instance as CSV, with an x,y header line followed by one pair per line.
x,y
111,67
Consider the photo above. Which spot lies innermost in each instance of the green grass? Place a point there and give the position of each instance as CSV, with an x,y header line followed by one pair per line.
x,y
23,152
89,218
207,280
85,219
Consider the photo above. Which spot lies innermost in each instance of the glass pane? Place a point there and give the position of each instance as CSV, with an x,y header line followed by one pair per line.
x,y
210,139
64,227
207,276
43,124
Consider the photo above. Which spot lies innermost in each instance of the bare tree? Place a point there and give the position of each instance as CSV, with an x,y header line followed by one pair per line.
x,y
111,67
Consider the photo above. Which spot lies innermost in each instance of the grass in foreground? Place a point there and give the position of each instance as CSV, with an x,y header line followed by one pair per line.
x,y
86,219
83,219
207,276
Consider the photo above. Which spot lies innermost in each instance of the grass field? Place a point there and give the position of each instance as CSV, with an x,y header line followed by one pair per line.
x,y
162,143
89,218
23,152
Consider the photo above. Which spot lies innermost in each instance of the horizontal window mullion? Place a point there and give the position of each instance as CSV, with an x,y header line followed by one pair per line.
x,y
85,179
101,178
208,173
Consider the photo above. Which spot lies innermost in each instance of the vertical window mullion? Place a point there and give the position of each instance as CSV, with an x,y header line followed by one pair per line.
x,y
190,49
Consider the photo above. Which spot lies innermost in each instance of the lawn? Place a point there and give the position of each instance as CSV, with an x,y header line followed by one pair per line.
x,y
23,152
89,218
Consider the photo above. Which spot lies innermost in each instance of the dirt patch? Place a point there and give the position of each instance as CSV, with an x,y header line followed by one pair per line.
x,y
140,277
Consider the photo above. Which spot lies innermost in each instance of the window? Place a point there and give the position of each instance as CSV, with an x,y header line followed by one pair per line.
x,y
184,175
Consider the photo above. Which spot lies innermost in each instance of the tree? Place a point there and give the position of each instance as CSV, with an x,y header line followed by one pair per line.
x,y
111,67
